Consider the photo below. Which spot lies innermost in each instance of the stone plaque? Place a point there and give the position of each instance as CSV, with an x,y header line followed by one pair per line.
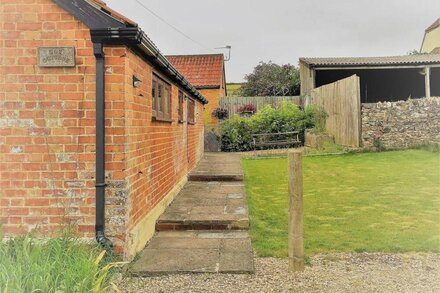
x,y
56,56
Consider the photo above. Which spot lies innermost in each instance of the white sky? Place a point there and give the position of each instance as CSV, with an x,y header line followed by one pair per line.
x,y
283,30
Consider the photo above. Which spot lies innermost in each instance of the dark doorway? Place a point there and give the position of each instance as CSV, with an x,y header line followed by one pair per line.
x,y
435,82
379,85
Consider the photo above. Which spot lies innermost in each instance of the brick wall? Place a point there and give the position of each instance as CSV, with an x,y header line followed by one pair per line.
x,y
213,96
159,153
47,130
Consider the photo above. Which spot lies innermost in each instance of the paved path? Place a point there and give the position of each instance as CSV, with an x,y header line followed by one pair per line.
x,y
218,167
205,229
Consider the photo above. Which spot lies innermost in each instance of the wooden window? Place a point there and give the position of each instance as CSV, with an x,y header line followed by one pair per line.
x,y
180,109
191,111
161,99
153,96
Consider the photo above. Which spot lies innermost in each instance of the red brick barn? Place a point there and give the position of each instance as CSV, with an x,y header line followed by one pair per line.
x,y
97,128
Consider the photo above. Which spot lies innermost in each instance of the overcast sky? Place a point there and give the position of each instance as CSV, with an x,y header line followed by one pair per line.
x,y
283,30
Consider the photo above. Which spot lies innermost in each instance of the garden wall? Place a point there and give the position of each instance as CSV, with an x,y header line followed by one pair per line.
x,y
400,124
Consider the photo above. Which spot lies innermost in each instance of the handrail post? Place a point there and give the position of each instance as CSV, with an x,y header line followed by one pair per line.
x,y
296,230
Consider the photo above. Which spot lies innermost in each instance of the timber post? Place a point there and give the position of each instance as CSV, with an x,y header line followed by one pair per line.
x,y
295,189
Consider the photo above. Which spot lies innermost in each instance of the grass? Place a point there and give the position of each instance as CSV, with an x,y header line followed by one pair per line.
x,y
233,88
386,202
58,265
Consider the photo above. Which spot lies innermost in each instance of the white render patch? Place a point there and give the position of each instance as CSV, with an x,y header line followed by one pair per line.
x,y
16,150
23,123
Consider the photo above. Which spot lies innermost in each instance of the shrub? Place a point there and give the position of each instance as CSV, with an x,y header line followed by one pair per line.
x,y
247,108
57,265
237,132
220,113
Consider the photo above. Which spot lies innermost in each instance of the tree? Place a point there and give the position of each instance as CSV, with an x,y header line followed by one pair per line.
x,y
270,79
415,52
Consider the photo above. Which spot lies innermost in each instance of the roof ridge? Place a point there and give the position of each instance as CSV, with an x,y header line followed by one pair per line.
x,y
194,55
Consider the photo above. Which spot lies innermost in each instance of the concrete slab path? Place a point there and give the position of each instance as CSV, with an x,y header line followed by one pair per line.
x,y
205,229
218,167
196,252
206,206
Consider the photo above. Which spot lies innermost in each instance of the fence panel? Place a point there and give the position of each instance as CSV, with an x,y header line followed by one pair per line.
x,y
234,103
341,101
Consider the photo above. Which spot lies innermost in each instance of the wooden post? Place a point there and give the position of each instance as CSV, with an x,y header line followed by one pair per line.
x,y
296,246
427,82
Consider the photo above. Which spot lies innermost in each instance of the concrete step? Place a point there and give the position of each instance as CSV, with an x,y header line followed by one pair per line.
x,y
207,206
171,252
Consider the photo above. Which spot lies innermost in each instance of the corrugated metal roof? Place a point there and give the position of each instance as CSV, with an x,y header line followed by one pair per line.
x,y
374,61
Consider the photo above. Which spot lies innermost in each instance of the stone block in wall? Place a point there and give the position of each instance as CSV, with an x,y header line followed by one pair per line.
x,y
401,124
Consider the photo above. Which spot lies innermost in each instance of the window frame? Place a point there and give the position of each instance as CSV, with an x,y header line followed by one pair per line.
x,y
191,111
181,101
161,101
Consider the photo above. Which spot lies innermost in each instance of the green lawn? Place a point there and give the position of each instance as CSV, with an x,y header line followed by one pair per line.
x,y
386,201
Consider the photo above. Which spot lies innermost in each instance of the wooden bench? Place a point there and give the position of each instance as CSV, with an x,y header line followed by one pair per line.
x,y
276,139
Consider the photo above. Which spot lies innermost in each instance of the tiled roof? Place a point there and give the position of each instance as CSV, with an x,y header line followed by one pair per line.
x,y
99,4
373,61
202,71
434,25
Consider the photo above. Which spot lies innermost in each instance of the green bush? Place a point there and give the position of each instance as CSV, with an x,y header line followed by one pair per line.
x,y
236,133
57,265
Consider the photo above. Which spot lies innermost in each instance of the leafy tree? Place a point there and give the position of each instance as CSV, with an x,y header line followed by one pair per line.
x,y
270,79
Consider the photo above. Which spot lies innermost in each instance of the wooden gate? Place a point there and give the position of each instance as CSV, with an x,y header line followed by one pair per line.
x,y
341,101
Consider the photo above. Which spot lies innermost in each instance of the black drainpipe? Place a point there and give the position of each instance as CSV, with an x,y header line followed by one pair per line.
x,y
100,37
100,148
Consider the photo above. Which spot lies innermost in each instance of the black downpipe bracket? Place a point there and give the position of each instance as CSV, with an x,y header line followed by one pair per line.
x,y
100,148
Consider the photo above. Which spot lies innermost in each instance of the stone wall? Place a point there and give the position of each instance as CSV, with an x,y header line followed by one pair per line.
x,y
401,124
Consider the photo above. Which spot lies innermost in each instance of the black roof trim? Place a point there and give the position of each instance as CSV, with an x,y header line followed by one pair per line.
x,y
207,87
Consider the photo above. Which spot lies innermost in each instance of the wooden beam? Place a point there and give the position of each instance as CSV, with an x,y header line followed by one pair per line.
x,y
427,82
296,230
373,67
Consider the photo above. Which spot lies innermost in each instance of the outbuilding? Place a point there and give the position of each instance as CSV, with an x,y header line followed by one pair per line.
x,y
97,128
390,78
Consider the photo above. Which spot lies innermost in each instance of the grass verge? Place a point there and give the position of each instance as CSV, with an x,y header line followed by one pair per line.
x,y
386,201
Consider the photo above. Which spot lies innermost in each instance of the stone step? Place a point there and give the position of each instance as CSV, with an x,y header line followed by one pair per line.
x,y
207,206
218,167
216,177
172,252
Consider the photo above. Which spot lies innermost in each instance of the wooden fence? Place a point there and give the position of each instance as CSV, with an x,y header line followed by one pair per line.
x,y
234,103
341,101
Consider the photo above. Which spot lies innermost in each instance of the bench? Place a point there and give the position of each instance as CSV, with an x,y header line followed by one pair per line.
x,y
276,139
